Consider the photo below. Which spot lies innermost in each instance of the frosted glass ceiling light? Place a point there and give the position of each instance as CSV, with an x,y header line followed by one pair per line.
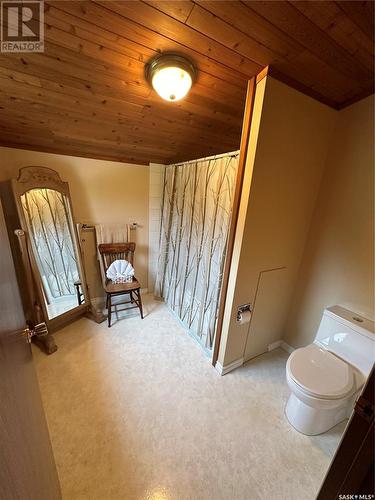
x,y
171,76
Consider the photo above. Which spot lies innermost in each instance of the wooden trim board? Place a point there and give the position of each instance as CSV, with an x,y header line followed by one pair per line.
x,y
236,205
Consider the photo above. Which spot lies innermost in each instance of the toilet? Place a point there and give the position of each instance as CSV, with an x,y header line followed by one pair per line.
x,y
326,377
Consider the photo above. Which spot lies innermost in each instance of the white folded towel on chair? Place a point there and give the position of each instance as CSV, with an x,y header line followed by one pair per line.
x,y
120,271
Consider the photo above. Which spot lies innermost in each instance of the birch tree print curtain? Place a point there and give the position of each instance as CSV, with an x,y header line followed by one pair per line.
x,y
196,211
47,217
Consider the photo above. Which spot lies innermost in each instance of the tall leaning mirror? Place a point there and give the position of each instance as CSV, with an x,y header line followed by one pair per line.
x,y
45,212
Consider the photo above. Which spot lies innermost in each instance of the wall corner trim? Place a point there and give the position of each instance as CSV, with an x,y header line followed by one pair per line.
x,y
274,345
288,348
228,368
283,345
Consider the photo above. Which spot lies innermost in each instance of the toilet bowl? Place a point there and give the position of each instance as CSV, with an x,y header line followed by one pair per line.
x,y
326,377
323,388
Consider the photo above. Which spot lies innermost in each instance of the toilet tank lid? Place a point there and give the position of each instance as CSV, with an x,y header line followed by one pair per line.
x,y
356,322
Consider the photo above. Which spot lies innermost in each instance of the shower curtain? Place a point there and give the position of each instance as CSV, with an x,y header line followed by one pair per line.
x,y
196,212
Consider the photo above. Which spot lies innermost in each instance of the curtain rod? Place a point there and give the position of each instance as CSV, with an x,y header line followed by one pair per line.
x,y
232,154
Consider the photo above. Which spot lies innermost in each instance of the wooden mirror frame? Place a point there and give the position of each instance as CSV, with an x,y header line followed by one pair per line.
x,y
36,177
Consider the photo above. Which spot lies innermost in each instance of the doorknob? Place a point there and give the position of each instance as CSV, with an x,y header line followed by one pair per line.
x,y
39,330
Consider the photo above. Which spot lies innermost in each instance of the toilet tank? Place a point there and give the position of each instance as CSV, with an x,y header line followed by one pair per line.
x,y
349,336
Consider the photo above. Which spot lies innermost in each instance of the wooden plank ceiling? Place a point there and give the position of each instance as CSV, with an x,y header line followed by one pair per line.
x,y
86,94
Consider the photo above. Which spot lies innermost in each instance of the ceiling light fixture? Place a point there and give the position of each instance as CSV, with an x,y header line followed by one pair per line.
x,y
171,75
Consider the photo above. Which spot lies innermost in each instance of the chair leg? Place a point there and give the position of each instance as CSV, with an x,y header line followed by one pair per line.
x,y
131,298
140,303
109,307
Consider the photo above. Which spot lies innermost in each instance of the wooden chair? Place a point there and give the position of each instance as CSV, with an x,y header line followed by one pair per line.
x,y
119,251
80,295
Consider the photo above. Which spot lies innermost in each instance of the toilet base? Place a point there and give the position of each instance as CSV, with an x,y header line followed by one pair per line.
x,y
312,421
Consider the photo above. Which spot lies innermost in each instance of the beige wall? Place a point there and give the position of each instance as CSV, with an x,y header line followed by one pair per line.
x,y
287,160
103,192
338,261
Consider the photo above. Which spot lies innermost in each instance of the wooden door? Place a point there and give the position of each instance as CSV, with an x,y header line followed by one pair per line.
x,y
27,466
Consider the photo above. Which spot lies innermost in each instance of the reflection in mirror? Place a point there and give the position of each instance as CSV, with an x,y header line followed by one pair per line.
x,y
48,219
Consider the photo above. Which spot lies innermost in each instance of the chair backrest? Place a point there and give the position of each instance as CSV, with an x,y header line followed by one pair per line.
x,y
116,251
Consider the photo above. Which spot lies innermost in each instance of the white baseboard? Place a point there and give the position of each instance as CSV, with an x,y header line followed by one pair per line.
x,y
280,343
274,345
228,368
286,347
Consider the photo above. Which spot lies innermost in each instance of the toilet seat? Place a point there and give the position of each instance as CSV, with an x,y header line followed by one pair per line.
x,y
319,373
